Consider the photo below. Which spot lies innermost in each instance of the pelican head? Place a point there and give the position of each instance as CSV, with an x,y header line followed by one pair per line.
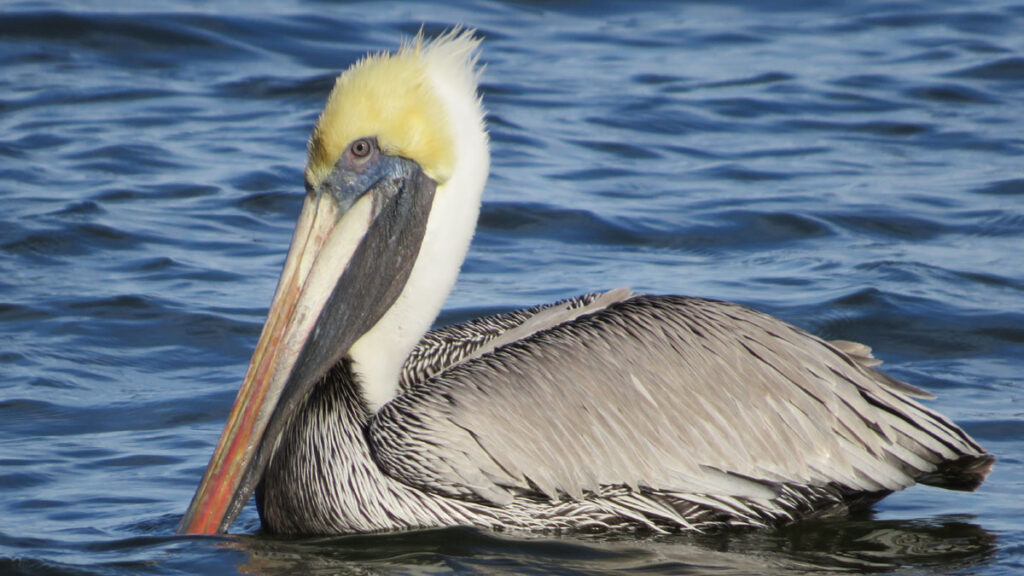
x,y
397,163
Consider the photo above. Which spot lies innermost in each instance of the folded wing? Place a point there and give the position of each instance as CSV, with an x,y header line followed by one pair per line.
x,y
684,395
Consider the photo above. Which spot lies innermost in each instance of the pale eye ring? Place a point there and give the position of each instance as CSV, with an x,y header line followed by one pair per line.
x,y
361,148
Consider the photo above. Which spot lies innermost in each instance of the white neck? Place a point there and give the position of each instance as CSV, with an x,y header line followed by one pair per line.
x,y
379,355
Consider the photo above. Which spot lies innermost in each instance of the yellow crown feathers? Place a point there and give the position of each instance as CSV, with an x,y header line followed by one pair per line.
x,y
388,96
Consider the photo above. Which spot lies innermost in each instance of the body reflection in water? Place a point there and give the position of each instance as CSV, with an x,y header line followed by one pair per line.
x,y
944,544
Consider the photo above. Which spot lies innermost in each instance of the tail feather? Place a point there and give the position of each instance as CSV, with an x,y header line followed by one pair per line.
x,y
965,473
959,462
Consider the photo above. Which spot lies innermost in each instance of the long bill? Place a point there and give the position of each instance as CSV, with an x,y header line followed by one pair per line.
x,y
353,249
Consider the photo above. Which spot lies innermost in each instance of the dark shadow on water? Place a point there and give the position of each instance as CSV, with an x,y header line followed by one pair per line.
x,y
860,545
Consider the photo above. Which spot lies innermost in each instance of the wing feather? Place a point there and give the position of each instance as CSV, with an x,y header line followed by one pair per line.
x,y
693,396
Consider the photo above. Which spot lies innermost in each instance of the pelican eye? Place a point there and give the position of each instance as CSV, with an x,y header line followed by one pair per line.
x,y
361,148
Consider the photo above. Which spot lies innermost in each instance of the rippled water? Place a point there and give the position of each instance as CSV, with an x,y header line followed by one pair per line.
x,y
853,167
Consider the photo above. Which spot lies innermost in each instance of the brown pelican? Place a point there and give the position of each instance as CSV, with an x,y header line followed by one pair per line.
x,y
607,411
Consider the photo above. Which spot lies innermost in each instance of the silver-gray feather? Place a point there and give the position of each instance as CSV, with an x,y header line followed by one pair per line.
x,y
445,347
612,411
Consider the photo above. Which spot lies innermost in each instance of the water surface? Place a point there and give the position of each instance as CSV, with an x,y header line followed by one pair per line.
x,y
852,167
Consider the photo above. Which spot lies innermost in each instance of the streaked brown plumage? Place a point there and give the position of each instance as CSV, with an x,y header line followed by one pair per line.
x,y
640,412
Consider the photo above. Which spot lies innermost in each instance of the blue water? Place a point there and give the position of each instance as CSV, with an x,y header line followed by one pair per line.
x,y
856,168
